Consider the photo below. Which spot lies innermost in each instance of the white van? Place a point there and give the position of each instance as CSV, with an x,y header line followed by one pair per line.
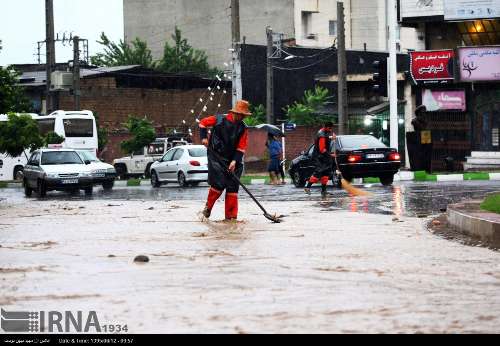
x,y
78,128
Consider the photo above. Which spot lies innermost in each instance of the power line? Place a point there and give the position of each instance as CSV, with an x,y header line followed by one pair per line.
x,y
304,67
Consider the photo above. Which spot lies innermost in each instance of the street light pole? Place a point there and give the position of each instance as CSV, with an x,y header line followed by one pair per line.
x,y
270,79
393,71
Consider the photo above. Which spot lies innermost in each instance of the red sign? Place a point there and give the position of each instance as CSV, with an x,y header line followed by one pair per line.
x,y
432,66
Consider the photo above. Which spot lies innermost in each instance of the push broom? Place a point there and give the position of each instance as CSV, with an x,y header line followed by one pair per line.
x,y
347,185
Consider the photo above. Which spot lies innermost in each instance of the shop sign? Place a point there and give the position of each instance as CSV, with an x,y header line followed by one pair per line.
x,y
432,66
444,100
479,64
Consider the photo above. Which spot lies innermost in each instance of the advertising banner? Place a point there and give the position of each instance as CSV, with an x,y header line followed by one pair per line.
x,y
432,66
479,64
421,8
444,100
471,9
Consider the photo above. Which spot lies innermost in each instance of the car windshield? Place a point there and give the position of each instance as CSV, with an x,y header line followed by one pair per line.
x,y
88,156
361,142
198,152
61,158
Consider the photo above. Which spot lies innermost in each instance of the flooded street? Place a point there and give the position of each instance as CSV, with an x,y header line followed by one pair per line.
x,y
349,265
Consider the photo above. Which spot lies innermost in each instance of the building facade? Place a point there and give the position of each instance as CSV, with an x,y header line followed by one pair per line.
x,y
311,23
456,75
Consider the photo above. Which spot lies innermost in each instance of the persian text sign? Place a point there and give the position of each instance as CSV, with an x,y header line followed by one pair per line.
x,y
479,64
432,66
444,100
467,9
421,8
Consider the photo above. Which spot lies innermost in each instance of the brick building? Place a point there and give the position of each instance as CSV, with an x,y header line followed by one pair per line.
x,y
115,93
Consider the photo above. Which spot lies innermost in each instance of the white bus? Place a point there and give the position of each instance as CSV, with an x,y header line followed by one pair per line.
x,y
78,128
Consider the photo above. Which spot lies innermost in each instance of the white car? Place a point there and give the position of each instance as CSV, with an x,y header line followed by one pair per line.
x,y
56,169
186,165
102,173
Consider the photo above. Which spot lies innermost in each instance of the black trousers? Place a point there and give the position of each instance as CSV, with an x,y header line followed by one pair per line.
x,y
220,179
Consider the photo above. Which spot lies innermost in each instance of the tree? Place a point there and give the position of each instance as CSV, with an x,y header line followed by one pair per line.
x,y
12,97
182,57
53,138
142,131
306,111
258,115
19,133
120,54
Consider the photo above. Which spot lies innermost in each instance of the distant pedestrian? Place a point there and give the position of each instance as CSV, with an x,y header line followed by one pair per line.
x,y
275,153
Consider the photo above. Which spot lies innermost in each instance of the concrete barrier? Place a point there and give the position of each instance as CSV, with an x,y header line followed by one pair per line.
x,y
469,219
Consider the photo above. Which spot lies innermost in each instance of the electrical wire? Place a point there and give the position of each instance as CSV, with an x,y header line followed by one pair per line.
x,y
303,67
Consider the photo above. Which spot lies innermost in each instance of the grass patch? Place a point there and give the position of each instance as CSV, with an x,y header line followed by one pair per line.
x,y
492,203
134,182
476,176
371,180
423,176
3,184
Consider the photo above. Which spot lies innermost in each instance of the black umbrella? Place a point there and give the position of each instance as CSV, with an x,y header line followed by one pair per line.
x,y
271,129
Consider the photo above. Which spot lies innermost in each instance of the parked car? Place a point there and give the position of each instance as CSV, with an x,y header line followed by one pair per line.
x,y
186,165
358,156
102,173
56,169
139,163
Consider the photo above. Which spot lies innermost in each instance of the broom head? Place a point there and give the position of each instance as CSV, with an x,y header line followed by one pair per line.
x,y
353,190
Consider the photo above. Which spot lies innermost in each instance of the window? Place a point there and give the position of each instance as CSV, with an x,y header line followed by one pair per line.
x,y
333,28
168,156
78,127
156,148
178,154
34,159
46,125
61,158
1,163
198,152
306,23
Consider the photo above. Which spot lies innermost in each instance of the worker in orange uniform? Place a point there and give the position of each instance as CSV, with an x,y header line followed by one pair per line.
x,y
226,145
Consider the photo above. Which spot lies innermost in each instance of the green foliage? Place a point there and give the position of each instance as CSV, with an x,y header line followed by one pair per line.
x,y
258,115
120,54
182,57
305,112
12,97
18,133
492,203
102,134
143,133
53,138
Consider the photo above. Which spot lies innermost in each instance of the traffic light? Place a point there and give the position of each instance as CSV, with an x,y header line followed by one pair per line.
x,y
380,78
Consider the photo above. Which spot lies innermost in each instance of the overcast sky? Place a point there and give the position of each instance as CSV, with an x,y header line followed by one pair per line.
x,y
22,25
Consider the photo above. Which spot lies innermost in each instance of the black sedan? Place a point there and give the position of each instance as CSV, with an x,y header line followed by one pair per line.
x,y
357,156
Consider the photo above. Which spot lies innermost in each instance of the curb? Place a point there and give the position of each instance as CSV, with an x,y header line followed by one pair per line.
x,y
468,218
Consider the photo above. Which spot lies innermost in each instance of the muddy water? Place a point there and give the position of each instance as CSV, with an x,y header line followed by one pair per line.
x,y
320,271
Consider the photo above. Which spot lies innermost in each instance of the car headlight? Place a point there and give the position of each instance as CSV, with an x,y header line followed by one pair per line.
x,y
52,175
99,171
85,174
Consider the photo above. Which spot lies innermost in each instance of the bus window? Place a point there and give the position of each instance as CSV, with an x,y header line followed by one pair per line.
x,y
79,127
46,125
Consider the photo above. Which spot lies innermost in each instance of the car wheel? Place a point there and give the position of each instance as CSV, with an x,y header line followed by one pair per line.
x,y
181,179
41,189
89,191
17,170
108,186
298,181
147,172
155,182
121,171
194,184
28,191
387,180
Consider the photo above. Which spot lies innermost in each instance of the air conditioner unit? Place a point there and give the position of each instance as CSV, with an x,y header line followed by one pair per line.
x,y
61,80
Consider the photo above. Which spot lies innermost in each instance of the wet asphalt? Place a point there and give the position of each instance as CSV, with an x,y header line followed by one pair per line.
x,y
409,199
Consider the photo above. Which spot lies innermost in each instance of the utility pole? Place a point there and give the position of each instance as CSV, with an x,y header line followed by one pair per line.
x,y
270,77
50,53
76,72
342,70
236,56
393,71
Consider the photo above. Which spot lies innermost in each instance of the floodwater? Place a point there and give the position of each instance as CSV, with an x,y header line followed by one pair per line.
x,y
342,265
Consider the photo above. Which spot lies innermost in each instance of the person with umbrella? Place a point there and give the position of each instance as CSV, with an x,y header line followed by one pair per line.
x,y
275,152
322,158
226,147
